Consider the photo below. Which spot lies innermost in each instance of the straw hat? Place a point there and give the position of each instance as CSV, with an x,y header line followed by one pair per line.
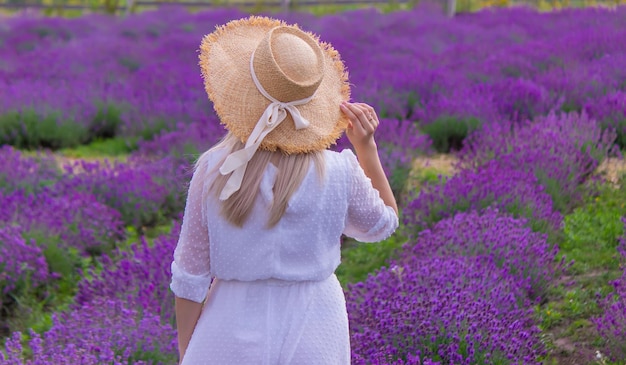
x,y
275,87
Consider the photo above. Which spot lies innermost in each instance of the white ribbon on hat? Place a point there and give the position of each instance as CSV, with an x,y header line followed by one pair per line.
x,y
274,114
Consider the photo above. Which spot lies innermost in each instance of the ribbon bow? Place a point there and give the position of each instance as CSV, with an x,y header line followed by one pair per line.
x,y
274,114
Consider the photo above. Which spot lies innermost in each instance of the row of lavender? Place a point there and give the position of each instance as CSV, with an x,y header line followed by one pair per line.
x,y
52,219
65,82
481,253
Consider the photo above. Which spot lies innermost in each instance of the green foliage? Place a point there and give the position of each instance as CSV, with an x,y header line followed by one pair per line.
x,y
29,129
111,6
26,308
118,147
448,133
360,259
32,307
134,236
62,260
398,181
188,153
590,237
592,231
433,344
548,316
107,121
562,200
149,215
326,9
618,123
570,106
150,357
131,64
430,176
149,131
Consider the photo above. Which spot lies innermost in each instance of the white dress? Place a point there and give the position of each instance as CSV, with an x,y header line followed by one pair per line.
x,y
275,299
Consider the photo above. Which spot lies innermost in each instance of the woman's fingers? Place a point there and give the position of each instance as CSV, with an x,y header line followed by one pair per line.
x,y
369,118
371,113
354,116
362,115
354,119
362,123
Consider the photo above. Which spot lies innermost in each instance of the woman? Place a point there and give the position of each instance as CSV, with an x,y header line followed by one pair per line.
x,y
267,205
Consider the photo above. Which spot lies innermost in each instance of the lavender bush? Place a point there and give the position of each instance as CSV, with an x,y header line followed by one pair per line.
x,y
22,263
496,238
139,277
186,142
75,220
562,151
29,174
491,185
610,111
122,314
45,239
105,331
144,191
453,310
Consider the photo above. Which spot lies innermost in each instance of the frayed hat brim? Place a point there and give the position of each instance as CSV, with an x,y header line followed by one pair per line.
x,y
224,63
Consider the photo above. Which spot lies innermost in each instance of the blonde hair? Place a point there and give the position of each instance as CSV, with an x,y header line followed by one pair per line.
x,y
291,168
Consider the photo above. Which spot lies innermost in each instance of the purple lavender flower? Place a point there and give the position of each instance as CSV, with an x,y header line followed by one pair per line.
x,y
123,315
29,174
498,239
458,310
143,190
562,151
105,331
610,111
139,276
22,263
490,185
74,220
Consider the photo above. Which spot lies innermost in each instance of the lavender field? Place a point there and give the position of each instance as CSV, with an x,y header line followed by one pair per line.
x,y
518,257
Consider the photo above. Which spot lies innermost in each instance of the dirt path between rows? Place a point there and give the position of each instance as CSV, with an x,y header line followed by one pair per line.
x,y
440,162
613,168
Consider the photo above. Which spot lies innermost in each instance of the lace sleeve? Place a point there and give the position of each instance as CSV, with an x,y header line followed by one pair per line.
x,y
190,269
368,218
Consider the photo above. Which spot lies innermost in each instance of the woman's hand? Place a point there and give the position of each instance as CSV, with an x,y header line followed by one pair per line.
x,y
362,125
360,132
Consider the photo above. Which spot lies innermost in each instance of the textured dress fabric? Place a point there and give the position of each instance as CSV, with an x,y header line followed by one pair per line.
x,y
274,298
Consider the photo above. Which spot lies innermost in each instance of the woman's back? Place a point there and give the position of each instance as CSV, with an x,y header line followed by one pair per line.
x,y
304,244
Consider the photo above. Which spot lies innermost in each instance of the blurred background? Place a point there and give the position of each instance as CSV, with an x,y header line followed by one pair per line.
x,y
72,8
